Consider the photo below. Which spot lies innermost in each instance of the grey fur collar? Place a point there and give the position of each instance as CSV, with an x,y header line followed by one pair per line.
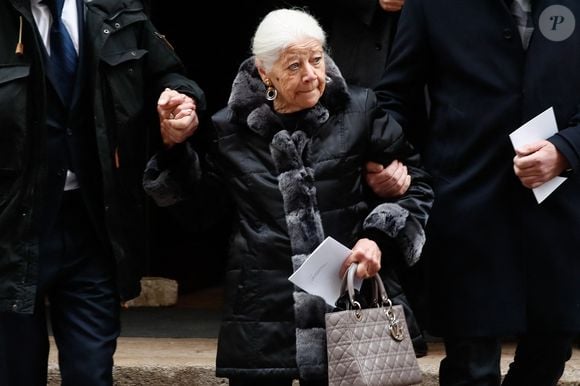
x,y
248,100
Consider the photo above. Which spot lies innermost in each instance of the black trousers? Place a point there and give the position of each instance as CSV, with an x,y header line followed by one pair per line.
x,y
76,278
539,361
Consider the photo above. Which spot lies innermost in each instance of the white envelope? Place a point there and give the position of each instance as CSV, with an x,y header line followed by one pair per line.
x,y
540,127
319,274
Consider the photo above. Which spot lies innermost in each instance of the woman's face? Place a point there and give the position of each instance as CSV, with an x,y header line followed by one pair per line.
x,y
299,76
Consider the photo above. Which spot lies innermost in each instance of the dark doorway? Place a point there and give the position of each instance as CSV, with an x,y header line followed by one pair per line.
x,y
211,39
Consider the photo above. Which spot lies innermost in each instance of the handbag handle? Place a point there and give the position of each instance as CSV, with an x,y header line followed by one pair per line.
x,y
380,299
379,293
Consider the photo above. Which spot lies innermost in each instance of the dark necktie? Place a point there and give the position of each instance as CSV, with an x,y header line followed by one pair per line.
x,y
63,55
522,13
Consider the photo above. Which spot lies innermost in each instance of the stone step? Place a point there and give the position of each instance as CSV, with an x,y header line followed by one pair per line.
x,y
191,362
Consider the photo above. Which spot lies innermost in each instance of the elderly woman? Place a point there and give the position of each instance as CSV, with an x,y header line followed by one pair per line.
x,y
290,151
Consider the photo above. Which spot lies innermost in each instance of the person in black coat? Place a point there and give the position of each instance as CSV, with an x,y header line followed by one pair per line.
x,y
501,264
289,151
360,37
73,144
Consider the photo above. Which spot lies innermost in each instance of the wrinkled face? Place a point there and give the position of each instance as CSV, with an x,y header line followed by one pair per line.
x,y
299,76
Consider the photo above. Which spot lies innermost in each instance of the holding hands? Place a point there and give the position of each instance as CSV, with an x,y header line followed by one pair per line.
x,y
177,117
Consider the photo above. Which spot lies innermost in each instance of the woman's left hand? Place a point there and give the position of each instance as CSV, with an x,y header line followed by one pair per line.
x,y
368,256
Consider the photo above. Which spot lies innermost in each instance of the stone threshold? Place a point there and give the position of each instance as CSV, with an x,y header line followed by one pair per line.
x,y
191,361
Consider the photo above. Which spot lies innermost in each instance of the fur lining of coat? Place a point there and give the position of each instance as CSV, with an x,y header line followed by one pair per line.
x,y
169,182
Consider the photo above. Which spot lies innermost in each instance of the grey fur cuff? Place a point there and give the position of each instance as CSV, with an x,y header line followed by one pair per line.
x,y
168,183
311,353
312,309
395,222
298,260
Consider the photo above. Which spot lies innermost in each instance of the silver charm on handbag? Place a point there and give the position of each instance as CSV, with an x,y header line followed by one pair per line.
x,y
395,328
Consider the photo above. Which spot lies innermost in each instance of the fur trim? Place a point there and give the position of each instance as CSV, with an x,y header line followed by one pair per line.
x,y
169,185
394,221
290,153
297,261
311,308
311,352
248,99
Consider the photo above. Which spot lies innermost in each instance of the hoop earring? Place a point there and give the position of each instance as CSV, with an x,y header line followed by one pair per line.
x,y
271,92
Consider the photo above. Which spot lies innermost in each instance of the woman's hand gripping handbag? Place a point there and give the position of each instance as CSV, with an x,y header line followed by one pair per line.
x,y
369,346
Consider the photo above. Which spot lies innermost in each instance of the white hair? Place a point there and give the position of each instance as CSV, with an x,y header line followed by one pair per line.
x,y
280,29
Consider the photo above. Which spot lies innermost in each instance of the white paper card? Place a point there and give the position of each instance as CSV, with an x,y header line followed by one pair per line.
x,y
319,274
540,127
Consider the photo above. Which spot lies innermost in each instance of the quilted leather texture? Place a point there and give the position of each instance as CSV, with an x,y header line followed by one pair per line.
x,y
363,352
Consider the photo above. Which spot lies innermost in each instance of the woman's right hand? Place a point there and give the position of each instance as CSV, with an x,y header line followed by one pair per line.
x,y
368,256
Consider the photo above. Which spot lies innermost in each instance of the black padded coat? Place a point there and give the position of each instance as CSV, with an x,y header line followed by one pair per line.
x,y
342,132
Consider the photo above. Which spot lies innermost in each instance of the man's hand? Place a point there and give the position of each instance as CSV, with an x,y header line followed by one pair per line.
x,y
368,256
177,117
390,182
538,162
391,5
